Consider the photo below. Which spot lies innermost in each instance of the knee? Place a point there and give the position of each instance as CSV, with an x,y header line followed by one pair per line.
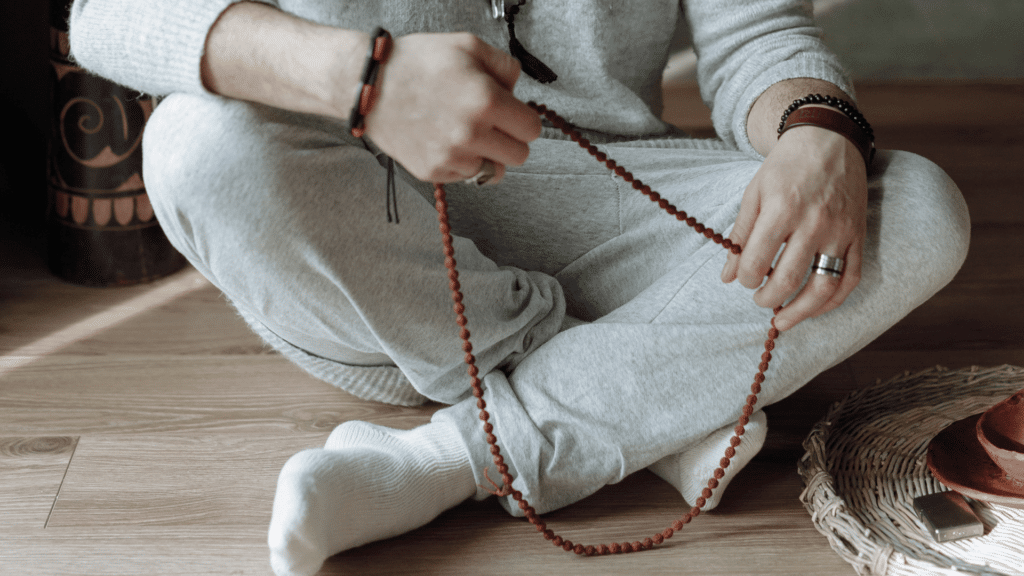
x,y
186,159
930,213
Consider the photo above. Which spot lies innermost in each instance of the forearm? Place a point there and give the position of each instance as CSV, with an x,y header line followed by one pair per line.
x,y
258,53
445,100
765,114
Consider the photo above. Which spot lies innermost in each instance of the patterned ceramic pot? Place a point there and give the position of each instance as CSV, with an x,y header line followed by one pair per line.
x,y
101,228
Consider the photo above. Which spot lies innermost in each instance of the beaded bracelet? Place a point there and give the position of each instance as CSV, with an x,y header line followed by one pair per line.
x,y
366,95
866,142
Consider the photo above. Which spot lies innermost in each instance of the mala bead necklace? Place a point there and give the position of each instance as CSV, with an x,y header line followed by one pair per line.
x,y
378,52
505,488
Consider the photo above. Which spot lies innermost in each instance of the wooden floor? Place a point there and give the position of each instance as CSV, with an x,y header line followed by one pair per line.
x,y
142,429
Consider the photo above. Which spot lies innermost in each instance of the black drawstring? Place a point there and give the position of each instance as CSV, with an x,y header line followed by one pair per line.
x,y
390,190
531,65
391,194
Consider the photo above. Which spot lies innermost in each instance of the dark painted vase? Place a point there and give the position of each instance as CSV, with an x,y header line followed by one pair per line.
x,y
100,226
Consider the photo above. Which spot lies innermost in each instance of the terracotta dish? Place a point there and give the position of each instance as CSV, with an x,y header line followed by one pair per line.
x,y
1000,431
957,458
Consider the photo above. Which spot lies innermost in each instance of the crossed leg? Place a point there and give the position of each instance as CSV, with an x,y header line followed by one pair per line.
x,y
287,220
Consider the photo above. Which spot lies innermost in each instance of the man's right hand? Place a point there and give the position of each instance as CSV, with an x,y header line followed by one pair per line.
x,y
445,103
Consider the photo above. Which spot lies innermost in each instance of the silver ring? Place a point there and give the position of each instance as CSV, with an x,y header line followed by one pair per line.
x,y
828,265
487,171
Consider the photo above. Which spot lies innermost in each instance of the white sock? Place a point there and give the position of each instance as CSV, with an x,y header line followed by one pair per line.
x,y
690,470
368,483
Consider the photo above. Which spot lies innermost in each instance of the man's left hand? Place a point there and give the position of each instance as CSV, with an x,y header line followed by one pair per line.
x,y
809,197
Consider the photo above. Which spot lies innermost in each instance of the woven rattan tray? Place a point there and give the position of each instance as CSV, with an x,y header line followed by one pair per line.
x,y
866,462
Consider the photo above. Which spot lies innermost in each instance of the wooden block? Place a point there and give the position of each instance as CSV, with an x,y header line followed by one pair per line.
x,y
31,472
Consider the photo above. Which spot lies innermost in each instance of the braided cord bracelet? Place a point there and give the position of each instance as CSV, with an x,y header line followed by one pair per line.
x,y
505,489
366,95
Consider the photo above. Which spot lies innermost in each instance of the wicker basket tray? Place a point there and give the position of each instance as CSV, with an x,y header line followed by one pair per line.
x,y
866,462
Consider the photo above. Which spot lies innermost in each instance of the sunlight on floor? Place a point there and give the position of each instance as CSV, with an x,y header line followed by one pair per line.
x,y
160,294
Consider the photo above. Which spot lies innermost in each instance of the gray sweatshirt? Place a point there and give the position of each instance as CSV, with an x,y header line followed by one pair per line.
x,y
609,54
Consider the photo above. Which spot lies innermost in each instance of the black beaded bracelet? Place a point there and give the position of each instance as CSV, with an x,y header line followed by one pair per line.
x,y
380,49
838,103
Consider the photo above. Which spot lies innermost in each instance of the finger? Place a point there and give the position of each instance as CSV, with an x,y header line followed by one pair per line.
x,y
750,207
462,175
501,66
499,173
457,169
501,148
850,279
506,112
818,290
788,274
513,117
770,232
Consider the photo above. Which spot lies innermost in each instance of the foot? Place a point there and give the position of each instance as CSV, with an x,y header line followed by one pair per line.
x,y
367,484
690,470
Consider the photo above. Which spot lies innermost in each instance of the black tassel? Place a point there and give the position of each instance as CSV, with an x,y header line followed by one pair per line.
x,y
533,67
391,194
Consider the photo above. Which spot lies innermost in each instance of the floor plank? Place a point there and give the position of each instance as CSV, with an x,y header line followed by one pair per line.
x,y
112,394
31,472
134,550
172,480
30,311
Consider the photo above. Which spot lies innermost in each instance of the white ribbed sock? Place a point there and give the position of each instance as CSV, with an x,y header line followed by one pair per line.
x,y
690,470
368,483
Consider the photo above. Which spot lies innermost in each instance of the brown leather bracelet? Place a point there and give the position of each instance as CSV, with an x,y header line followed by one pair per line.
x,y
836,122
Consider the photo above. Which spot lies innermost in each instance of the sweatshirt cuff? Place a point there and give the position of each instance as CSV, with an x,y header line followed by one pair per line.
x,y
156,51
818,67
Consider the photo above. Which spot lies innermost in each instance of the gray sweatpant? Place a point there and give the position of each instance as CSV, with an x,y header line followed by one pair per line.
x,y
607,338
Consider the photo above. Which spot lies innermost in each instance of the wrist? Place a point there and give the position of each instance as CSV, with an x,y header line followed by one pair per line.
x,y
258,53
379,50
343,53
835,115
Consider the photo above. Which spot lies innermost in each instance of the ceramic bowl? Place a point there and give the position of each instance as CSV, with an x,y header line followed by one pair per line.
x,y
1000,431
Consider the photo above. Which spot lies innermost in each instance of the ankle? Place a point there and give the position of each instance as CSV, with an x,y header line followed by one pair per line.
x,y
435,449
